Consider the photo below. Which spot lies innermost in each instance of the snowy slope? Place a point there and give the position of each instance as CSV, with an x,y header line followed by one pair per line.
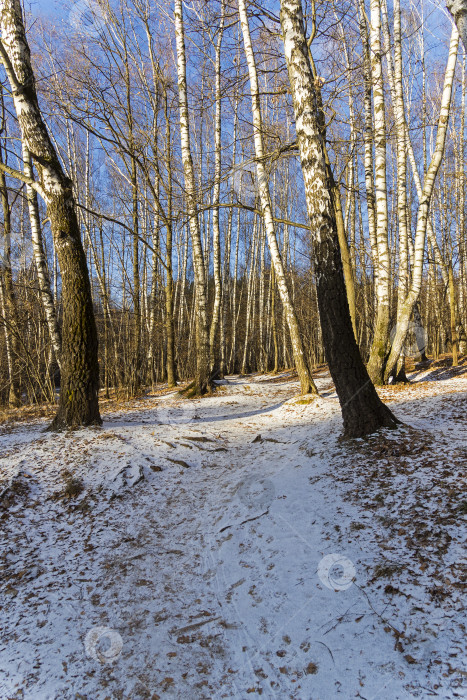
x,y
233,547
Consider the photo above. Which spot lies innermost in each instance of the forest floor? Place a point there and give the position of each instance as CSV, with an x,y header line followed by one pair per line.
x,y
234,547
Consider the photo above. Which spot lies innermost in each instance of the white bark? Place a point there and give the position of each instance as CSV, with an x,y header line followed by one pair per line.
x,y
202,355
381,332
424,208
40,260
306,381
217,186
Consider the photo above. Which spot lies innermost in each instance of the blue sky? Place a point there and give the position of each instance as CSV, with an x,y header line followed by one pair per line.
x,y
42,6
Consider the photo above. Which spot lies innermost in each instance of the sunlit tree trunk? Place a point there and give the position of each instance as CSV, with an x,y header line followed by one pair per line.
x,y
40,260
216,235
306,381
368,137
424,209
78,404
458,9
202,379
362,410
396,85
381,332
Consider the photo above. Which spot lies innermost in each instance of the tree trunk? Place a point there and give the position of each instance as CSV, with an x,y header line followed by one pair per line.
x,y
202,380
41,262
379,345
306,381
452,306
213,345
458,9
78,404
424,208
9,308
362,410
169,286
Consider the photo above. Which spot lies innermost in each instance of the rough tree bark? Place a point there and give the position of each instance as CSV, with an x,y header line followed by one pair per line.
x,y
362,410
78,403
9,309
458,9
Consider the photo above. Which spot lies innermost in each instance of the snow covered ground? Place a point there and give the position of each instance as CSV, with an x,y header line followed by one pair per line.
x,y
234,547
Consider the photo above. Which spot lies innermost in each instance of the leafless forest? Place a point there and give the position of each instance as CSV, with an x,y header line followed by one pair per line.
x,y
170,208
233,349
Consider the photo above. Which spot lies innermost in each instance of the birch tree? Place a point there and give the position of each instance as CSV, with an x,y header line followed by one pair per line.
x,y
40,259
306,381
362,410
202,379
406,309
458,9
381,332
215,214
78,403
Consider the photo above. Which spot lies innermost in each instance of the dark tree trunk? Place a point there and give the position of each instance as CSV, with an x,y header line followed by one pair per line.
x,y
11,312
362,410
78,403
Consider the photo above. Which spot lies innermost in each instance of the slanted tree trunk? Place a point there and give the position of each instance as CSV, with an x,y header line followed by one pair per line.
x,y
306,381
202,379
362,410
41,262
78,403
458,9
407,307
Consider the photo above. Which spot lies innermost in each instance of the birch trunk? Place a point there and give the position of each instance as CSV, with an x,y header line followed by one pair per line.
x,y
40,260
396,85
202,379
368,137
213,349
78,404
362,410
424,208
381,332
458,9
306,381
